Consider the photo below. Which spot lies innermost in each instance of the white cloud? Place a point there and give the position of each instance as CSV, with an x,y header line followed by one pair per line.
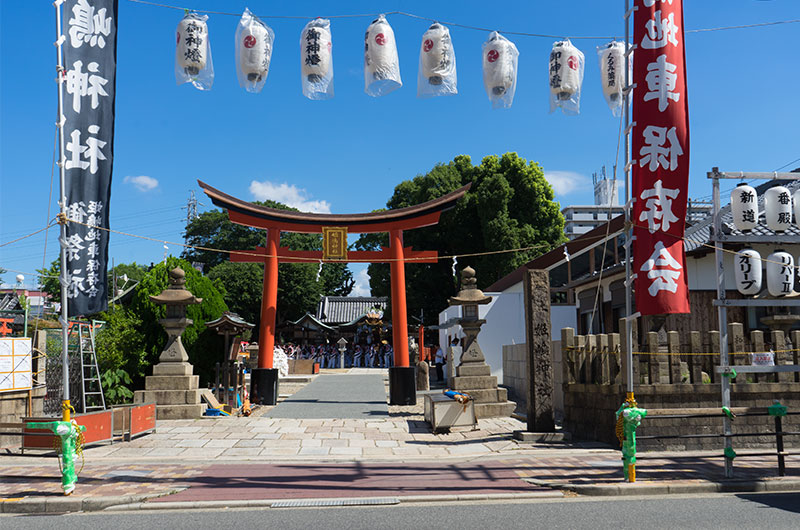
x,y
290,195
142,183
361,287
565,182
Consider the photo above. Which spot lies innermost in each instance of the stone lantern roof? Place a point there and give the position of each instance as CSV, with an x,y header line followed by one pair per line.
x,y
469,293
176,294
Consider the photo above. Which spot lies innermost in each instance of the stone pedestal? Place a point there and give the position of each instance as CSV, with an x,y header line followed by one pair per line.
x,y
475,378
175,391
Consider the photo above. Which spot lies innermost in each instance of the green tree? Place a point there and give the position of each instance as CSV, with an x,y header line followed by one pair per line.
x,y
298,287
132,271
2,271
120,343
204,346
48,280
509,205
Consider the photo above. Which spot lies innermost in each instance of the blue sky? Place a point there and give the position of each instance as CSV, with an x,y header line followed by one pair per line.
x,y
347,154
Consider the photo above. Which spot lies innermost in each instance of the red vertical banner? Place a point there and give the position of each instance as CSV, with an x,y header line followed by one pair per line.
x,y
660,156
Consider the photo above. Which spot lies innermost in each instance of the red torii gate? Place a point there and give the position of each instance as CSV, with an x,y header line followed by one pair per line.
x,y
394,222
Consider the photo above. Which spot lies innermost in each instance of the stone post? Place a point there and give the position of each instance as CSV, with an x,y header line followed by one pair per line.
x,y
540,355
757,345
674,348
614,353
736,334
713,360
591,355
653,360
567,355
779,346
795,358
696,361
605,360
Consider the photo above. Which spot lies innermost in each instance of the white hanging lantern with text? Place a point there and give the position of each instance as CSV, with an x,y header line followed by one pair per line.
x,y
500,70
316,54
566,77
778,208
254,42
381,63
747,267
780,273
744,207
193,52
612,74
437,63
796,202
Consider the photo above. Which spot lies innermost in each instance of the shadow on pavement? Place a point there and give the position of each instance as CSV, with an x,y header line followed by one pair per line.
x,y
789,502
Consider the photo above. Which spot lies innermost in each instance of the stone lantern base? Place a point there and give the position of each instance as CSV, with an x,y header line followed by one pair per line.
x,y
175,391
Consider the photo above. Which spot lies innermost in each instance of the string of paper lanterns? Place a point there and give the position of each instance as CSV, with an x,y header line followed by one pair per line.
x,y
780,265
254,42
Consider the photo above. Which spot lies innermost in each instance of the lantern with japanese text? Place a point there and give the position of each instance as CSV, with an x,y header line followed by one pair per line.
x,y
778,208
381,64
780,273
612,74
500,70
566,77
747,267
254,41
317,59
744,207
796,202
437,63
193,52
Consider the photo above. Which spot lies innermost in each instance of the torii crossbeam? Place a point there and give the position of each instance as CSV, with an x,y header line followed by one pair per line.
x,y
394,222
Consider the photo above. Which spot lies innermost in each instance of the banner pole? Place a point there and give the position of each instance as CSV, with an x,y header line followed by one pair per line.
x,y
64,276
628,224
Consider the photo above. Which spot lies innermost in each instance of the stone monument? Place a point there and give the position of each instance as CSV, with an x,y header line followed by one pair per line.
x,y
473,375
173,386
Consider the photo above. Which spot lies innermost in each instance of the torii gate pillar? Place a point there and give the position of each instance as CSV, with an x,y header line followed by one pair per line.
x,y
402,379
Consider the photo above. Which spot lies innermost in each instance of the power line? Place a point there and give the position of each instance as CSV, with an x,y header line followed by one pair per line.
x,y
456,24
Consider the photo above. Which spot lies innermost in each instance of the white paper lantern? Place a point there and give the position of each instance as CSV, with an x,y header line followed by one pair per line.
x,y
778,208
744,207
255,52
566,70
612,73
780,273
381,64
316,50
747,267
191,52
796,201
499,69
436,50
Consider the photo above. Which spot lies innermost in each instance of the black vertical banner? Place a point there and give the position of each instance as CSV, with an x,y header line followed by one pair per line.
x,y
90,64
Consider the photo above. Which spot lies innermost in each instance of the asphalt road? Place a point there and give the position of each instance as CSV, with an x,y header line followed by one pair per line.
x,y
330,396
741,511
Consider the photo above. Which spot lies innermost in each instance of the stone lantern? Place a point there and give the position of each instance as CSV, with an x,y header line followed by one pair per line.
x,y
172,386
473,375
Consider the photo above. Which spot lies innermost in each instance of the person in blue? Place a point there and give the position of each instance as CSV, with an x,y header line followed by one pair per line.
x,y
388,353
357,356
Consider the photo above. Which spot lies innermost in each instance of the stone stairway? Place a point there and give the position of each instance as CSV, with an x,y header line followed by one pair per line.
x,y
490,400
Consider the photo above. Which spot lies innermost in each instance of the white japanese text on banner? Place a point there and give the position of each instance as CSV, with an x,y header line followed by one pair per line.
x,y
660,143
90,55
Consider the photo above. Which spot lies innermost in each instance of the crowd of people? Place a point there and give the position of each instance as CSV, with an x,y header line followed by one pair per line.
x,y
328,355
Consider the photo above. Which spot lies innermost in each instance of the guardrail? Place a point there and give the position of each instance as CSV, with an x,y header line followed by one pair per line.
x,y
777,411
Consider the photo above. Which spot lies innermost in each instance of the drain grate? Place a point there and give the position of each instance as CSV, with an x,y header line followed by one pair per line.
x,y
306,503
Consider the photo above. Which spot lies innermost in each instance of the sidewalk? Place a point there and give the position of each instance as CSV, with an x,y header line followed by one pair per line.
x,y
266,461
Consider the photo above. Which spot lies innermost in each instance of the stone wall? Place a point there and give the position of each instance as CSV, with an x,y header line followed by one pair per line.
x,y
515,374
589,413
14,406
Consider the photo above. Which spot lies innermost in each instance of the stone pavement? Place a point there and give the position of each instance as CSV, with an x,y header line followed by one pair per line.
x,y
337,396
262,461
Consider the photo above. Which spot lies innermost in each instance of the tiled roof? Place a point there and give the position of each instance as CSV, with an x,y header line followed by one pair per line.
x,y
334,310
699,234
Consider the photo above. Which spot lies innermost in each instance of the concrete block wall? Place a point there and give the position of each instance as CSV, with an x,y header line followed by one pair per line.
x,y
515,374
14,406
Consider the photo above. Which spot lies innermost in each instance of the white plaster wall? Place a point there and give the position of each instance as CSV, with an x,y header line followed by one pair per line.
x,y
562,316
505,324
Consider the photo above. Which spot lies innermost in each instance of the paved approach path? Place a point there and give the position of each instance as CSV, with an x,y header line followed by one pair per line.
x,y
337,396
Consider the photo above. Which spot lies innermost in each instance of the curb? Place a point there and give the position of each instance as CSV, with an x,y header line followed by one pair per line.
x,y
72,504
138,502
665,488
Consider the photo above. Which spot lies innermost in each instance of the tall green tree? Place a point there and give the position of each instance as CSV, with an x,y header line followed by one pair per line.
x,y
299,288
203,345
510,205
48,280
